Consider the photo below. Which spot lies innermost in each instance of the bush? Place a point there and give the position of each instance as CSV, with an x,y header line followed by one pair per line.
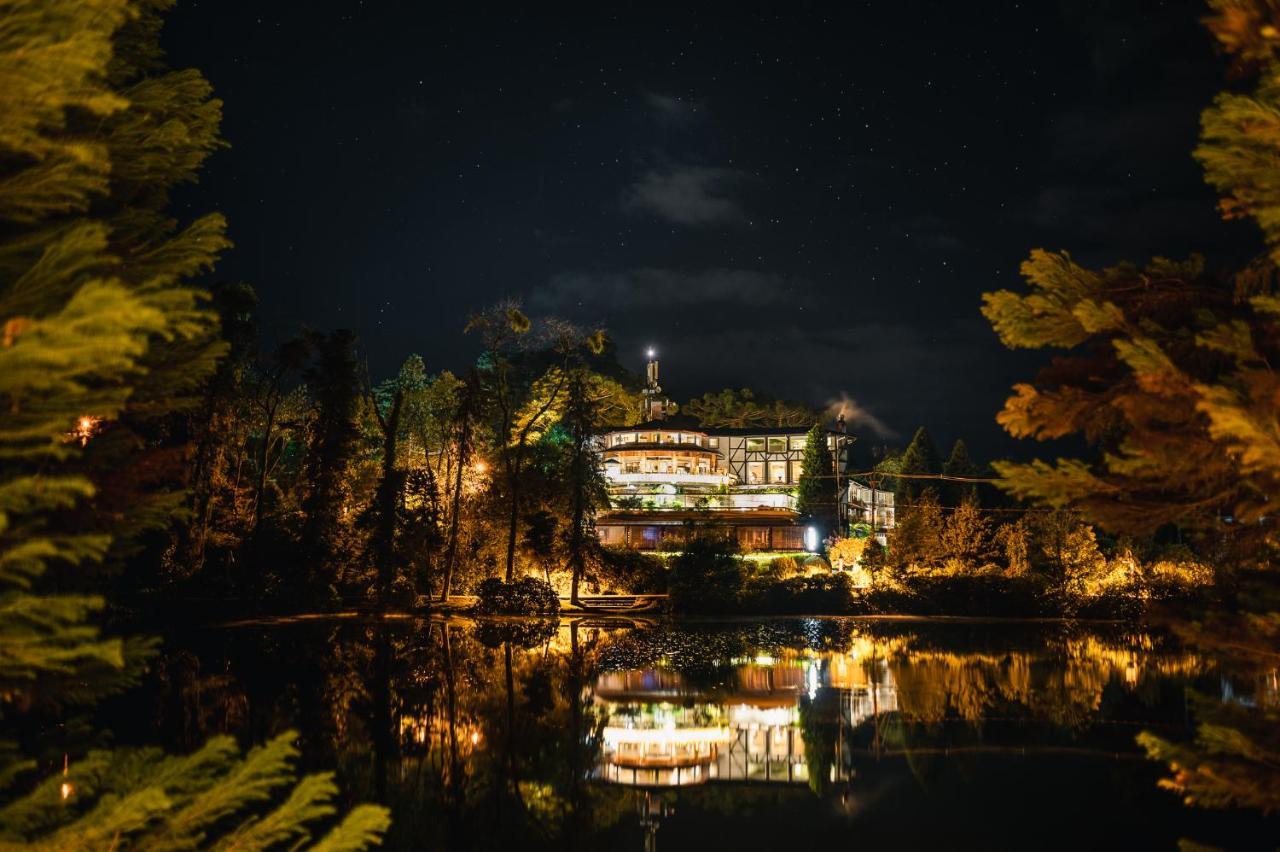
x,y
816,563
785,566
525,596
707,576
631,571
971,594
821,594
775,570
846,552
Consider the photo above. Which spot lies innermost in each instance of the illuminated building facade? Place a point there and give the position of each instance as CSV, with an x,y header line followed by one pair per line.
x,y
661,732
668,471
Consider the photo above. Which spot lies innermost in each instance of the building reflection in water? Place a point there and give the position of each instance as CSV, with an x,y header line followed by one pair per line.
x,y
660,731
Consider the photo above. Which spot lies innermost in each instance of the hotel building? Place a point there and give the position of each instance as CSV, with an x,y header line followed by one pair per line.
x,y
667,472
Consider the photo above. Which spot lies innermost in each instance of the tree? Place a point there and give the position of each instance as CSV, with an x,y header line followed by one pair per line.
x,y
464,419
213,797
216,425
421,528
916,539
584,407
920,457
388,403
269,395
816,492
101,337
959,464
523,412
1147,370
162,127
965,539
335,384
740,409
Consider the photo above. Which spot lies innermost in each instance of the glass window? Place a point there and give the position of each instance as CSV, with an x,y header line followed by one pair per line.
x,y
798,442
788,538
778,472
713,443
643,438
777,445
755,445
668,438
753,538
796,467
755,473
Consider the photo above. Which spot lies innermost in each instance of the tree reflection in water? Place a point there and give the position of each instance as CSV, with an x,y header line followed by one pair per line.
x,y
603,733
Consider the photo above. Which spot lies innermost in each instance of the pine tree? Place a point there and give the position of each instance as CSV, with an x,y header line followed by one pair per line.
x,y
1170,373
960,464
157,141
920,457
816,491
99,333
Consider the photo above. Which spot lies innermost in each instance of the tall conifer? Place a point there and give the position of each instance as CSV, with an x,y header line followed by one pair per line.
x,y
101,340
816,493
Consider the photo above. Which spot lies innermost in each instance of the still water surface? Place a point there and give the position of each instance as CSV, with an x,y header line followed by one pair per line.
x,y
772,734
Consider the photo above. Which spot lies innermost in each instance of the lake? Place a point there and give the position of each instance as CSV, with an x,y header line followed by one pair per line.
x,y
607,733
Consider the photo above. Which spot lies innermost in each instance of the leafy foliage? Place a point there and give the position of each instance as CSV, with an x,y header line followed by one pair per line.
x,y
740,409
524,596
707,576
212,797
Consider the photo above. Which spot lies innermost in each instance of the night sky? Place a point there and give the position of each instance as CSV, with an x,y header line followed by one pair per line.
x,y
807,199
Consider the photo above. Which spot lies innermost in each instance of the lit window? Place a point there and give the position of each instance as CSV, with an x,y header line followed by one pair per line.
x,y
755,473
778,472
796,467
798,442
777,445
713,443
755,445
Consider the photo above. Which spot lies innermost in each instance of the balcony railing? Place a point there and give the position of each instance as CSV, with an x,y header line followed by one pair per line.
x,y
672,478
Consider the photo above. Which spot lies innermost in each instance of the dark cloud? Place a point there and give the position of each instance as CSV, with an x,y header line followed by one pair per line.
x,y
657,289
687,195
671,108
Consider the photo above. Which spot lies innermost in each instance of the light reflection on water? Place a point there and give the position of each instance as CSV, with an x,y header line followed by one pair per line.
x,y
615,734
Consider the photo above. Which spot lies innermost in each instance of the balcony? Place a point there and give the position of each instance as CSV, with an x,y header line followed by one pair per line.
x,y
714,479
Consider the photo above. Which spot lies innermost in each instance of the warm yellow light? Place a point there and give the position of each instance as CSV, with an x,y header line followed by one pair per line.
x,y
475,737
480,467
85,427
66,789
